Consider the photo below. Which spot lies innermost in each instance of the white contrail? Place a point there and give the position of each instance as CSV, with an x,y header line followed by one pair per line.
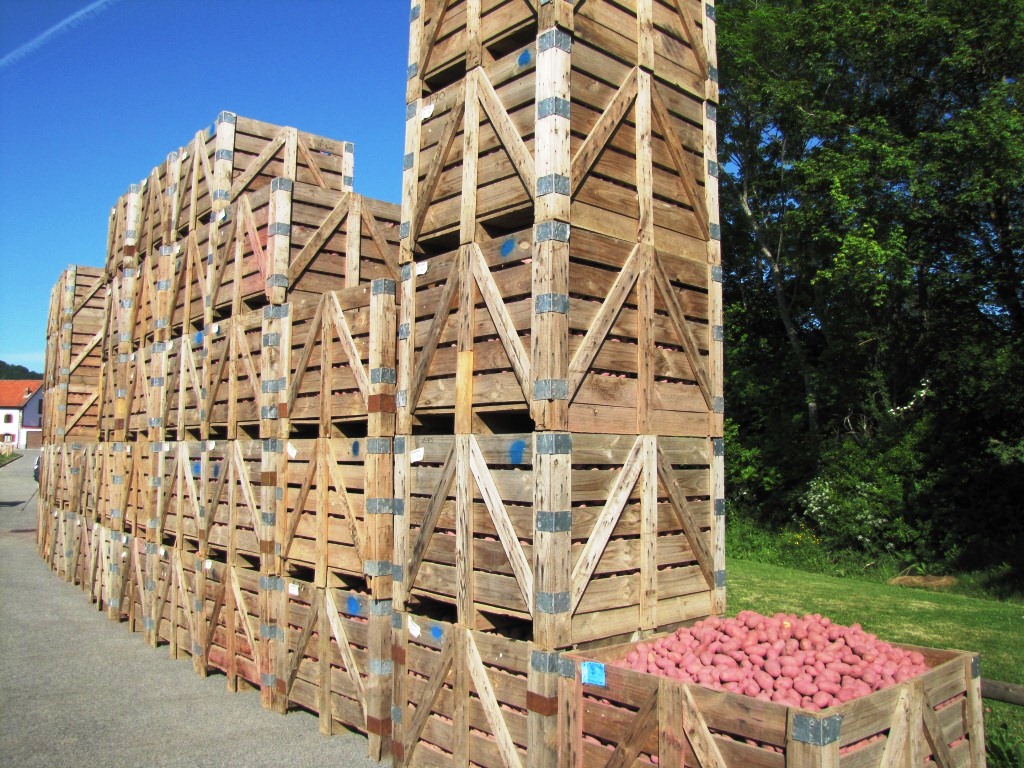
x,y
57,29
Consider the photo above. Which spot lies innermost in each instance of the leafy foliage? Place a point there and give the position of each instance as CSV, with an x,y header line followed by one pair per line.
x,y
11,372
873,224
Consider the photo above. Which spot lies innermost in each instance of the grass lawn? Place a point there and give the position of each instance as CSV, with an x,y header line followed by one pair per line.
x,y
9,458
940,620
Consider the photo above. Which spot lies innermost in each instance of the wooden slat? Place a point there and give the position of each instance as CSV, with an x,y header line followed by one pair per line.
x,y
628,749
380,242
338,482
433,514
698,734
320,238
300,647
349,345
345,646
313,336
506,533
433,175
444,308
603,131
609,518
677,498
426,702
256,166
675,148
503,324
602,324
522,159
682,328
489,702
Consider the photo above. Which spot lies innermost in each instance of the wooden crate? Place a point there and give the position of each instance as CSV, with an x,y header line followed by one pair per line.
x,y
210,499
632,546
285,239
463,697
73,372
235,155
562,278
562,226
335,659
233,633
638,719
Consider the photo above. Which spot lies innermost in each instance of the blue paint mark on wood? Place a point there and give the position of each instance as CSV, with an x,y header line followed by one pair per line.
x,y
353,606
355,448
437,632
524,58
508,247
515,451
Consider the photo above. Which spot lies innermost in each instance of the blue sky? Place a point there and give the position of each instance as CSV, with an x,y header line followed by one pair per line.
x,y
93,105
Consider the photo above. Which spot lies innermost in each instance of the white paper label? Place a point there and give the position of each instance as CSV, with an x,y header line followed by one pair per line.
x,y
163,552
428,110
292,453
211,444
293,589
414,628
416,455
208,565
170,345
421,268
215,328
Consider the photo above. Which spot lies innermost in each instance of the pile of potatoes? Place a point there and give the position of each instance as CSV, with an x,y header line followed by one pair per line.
x,y
807,662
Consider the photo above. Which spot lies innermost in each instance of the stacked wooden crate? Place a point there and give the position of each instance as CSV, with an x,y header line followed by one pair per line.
x,y
234,499
74,334
560,358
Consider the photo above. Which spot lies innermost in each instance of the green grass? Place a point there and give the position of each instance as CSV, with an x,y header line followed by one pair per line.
x,y
9,458
796,546
936,619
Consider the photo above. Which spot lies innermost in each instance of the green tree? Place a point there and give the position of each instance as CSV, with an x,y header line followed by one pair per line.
x,y
873,224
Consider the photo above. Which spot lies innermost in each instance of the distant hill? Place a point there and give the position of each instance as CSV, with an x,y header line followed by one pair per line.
x,y
8,372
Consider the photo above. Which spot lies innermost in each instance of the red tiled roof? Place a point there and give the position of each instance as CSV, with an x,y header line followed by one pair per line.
x,y
13,393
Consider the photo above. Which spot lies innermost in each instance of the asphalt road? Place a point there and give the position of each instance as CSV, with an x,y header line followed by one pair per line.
x,y
77,689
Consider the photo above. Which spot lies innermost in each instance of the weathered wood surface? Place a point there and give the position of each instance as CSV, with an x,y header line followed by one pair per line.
x,y
637,529
631,718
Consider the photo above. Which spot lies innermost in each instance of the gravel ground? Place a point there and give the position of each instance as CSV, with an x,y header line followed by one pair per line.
x,y
77,689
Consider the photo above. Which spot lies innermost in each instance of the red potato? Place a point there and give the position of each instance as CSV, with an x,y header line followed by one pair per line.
x,y
799,661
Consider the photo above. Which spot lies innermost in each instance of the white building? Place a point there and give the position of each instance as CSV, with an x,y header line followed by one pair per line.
x,y
21,413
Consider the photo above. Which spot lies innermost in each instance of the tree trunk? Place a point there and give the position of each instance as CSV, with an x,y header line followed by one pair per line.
x,y
778,287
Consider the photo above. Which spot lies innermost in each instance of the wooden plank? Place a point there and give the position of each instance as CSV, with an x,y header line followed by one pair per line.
x,y
598,331
241,184
385,251
598,138
619,494
313,336
677,498
321,236
485,693
675,148
509,137
628,749
506,533
423,707
349,345
698,734
682,328
345,647
503,323
425,191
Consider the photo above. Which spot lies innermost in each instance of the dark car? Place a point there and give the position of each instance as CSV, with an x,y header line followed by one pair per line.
x,y
35,470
